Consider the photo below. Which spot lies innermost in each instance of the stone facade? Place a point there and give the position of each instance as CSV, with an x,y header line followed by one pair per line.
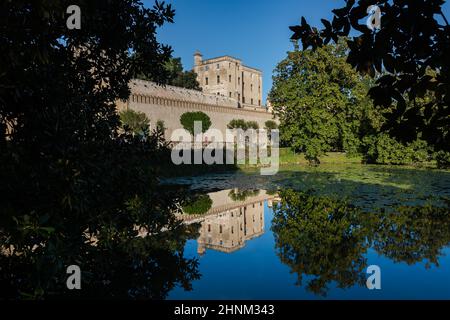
x,y
227,76
168,103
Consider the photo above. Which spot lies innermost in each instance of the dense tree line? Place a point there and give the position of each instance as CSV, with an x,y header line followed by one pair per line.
x,y
408,57
323,105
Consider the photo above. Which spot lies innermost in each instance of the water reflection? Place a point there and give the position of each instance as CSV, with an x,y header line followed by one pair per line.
x,y
326,239
320,237
234,217
413,234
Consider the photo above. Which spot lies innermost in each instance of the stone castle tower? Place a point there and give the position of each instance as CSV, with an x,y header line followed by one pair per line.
x,y
227,76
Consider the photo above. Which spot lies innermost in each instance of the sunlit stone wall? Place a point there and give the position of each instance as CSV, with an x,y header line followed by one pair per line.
x,y
168,103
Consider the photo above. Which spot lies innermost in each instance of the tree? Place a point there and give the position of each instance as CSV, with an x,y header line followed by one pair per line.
x,y
252,125
320,101
135,121
412,47
242,195
198,205
242,124
161,126
237,124
180,78
176,76
188,120
79,190
270,125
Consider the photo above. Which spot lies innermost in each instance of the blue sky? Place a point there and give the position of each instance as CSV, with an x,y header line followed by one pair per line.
x,y
255,31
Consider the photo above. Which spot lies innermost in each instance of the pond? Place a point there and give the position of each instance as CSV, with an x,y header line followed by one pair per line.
x,y
312,233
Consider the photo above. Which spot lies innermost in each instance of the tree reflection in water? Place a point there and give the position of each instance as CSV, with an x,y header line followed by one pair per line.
x,y
413,234
325,239
321,237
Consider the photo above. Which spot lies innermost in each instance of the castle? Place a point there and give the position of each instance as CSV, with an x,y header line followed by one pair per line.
x,y
227,76
230,91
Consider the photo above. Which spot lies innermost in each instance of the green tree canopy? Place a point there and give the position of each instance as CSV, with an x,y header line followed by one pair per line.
x,y
180,78
237,124
198,205
242,124
176,76
270,125
252,125
411,48
135,121
188,120
320,101
161,126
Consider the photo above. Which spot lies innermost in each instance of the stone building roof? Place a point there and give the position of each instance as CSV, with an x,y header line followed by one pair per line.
x,y
148,88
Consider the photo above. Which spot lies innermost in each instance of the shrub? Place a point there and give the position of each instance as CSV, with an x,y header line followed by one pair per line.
x,y
237,124
252,125
135,121
443,159
188,120
200,205
160,126
383,149
270,125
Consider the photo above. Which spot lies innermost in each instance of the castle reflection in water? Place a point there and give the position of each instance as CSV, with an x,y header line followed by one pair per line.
x,y
234,218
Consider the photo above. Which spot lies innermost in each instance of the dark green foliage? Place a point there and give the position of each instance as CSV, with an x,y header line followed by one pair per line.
x,y
176,76
242,195
188,120
323,106
160,126
270,125
411,49
135,121
199,205
242,124
442,159
70,177
252,125
237,124
180,78
383,149
320,101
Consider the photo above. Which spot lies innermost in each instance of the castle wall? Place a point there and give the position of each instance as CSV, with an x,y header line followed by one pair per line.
x,y
169,103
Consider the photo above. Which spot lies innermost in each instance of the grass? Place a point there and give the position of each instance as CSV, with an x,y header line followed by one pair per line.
x,y
287,156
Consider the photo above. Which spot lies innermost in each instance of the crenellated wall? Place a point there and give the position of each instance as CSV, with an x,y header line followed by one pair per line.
x,y
169,103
